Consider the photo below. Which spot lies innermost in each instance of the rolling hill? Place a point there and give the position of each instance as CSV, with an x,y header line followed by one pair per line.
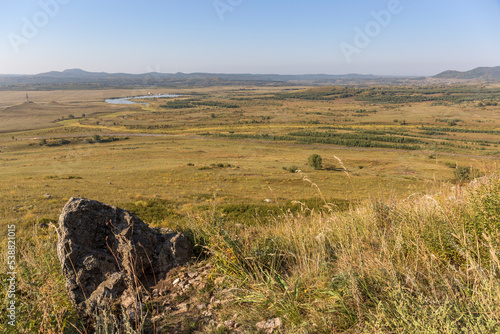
x,y
486,73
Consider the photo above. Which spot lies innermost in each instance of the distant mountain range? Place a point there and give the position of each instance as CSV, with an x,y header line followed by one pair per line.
x,y
486,73
77,78
80,74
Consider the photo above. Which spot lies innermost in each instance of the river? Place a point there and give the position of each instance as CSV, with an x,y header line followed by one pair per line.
x,y
128,100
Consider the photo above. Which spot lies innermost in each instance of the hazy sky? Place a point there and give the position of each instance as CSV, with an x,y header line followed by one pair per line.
x,y
405,37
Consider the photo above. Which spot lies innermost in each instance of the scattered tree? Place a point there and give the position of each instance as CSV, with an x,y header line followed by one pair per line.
x,y
315,161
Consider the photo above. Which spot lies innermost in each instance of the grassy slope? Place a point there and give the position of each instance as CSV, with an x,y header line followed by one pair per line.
x,y
413,265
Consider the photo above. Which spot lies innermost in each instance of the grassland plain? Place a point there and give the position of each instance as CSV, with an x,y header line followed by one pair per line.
x,y
216,163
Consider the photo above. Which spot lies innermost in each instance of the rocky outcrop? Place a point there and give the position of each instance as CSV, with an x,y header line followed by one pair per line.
x,y
111,258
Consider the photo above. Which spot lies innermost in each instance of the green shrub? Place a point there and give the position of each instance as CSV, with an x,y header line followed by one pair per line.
x,y
292,169
315,161
464,174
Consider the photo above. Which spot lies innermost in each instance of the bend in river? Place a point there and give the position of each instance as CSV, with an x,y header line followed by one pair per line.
x,y
128,100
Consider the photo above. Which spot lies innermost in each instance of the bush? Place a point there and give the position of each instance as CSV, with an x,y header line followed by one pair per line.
x,y
292,169
315,161
464,174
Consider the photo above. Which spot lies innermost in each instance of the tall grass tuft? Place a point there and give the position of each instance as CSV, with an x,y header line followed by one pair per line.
x,y
414,265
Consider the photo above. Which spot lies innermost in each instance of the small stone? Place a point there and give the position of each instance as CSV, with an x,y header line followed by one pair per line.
x,y
177,280
201,306
47,196
184,307
269,325
192,274
230,324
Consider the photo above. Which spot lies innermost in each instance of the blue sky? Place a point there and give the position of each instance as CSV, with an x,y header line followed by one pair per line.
x,y
419,37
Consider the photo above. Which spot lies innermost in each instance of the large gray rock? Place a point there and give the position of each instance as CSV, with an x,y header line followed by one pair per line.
x,y
110,256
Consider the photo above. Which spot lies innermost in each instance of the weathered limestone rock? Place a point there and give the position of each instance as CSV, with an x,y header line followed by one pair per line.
x,y
110,256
